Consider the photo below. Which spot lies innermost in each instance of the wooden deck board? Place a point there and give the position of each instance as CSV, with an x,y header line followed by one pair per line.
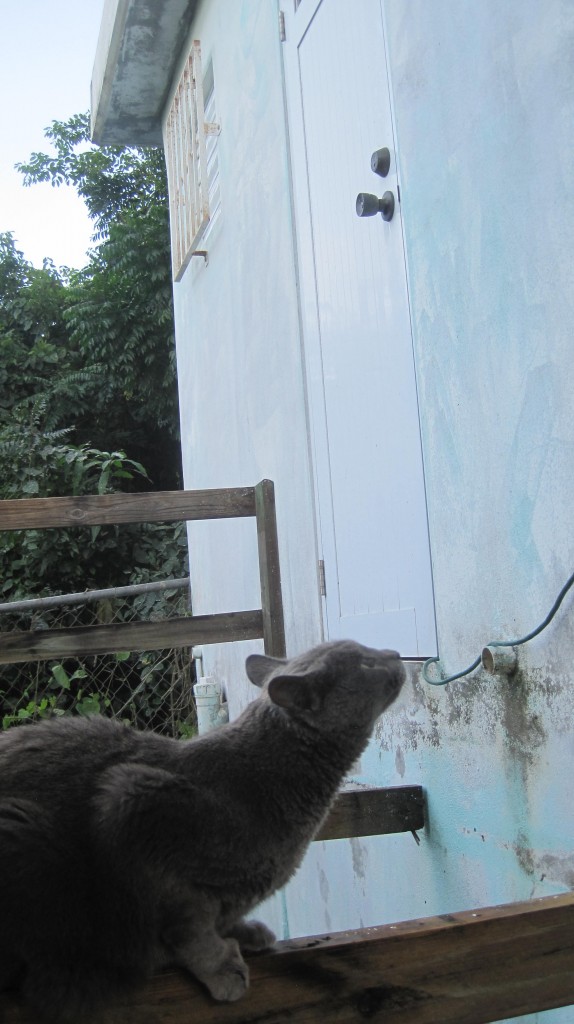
x,y
471,967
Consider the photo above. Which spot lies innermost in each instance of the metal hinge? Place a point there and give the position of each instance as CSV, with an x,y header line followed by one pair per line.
x,y
282,32
322,583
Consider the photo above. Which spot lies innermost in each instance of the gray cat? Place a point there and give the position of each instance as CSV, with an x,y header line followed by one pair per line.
x,y
122,852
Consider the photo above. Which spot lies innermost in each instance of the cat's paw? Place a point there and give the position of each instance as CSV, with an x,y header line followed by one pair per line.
x,y
253,936
231,980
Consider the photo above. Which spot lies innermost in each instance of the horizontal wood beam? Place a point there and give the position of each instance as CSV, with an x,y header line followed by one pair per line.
x,y
83,641
471,967
374,812
112,509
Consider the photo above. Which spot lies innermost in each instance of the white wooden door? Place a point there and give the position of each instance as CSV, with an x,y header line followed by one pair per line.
x,y
373,531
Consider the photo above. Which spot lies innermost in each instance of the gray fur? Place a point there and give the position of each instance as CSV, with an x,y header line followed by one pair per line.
x,y
122,851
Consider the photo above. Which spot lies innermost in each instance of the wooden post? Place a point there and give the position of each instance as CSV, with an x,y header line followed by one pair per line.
x,y
269,572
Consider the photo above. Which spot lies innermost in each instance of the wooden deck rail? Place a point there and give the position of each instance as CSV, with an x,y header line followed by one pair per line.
x,y
470,967
162,506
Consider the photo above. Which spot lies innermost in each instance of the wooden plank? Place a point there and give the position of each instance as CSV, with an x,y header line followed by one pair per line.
x,y
471,967
373,812
82,641
269,570
106,509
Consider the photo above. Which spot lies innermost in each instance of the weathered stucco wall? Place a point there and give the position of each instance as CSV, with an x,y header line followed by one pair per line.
x,y
239,358
484,108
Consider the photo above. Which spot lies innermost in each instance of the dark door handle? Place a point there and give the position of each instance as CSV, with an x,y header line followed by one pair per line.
x,y
381,162
368,205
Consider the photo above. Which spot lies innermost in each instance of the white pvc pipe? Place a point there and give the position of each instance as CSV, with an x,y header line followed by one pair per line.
x,y
211,708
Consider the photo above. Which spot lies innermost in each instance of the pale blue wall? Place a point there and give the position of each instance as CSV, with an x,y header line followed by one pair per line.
x,y
484,108
484,102
483,97
242,394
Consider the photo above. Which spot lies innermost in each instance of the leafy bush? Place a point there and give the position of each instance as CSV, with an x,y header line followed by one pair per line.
x,y
88,398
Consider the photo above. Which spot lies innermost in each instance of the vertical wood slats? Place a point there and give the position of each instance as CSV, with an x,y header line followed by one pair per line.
x,y
161,506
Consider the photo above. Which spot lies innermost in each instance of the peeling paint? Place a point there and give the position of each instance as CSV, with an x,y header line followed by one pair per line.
x,y
524,854
324,888
359,858
557,868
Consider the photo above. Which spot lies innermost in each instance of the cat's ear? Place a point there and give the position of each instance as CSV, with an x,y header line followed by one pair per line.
x,y
260,666
295,693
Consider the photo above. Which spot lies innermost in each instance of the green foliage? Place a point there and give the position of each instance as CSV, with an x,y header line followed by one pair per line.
x,y
33,335
93,350
40,562
120,316
111,180
88,398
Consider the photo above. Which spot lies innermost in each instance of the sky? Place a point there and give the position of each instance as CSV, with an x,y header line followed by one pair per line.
x,y
47,50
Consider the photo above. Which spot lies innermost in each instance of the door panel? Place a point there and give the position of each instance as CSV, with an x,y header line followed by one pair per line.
x,y
357,332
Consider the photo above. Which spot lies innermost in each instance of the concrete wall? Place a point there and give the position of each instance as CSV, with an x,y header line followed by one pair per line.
x,y
484,109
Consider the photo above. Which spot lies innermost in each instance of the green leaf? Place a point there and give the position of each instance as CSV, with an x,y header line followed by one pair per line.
x,y
89,705
61,676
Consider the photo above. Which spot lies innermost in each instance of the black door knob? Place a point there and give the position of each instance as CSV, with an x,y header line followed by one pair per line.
x,y
381,162
368,205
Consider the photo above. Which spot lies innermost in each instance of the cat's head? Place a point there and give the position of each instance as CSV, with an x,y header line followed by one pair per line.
x,y
337,683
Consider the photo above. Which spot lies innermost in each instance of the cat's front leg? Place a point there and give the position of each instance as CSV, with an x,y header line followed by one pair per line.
x,y
252,936
192,941
218,964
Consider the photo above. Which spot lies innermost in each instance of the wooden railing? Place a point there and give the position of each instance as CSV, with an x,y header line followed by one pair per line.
x,y
160,506
473,966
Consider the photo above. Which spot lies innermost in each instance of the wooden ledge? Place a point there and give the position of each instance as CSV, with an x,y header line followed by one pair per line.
x,y
465,968
374,812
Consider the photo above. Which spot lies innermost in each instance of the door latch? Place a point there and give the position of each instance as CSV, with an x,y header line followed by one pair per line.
x,y
381,162
368,205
